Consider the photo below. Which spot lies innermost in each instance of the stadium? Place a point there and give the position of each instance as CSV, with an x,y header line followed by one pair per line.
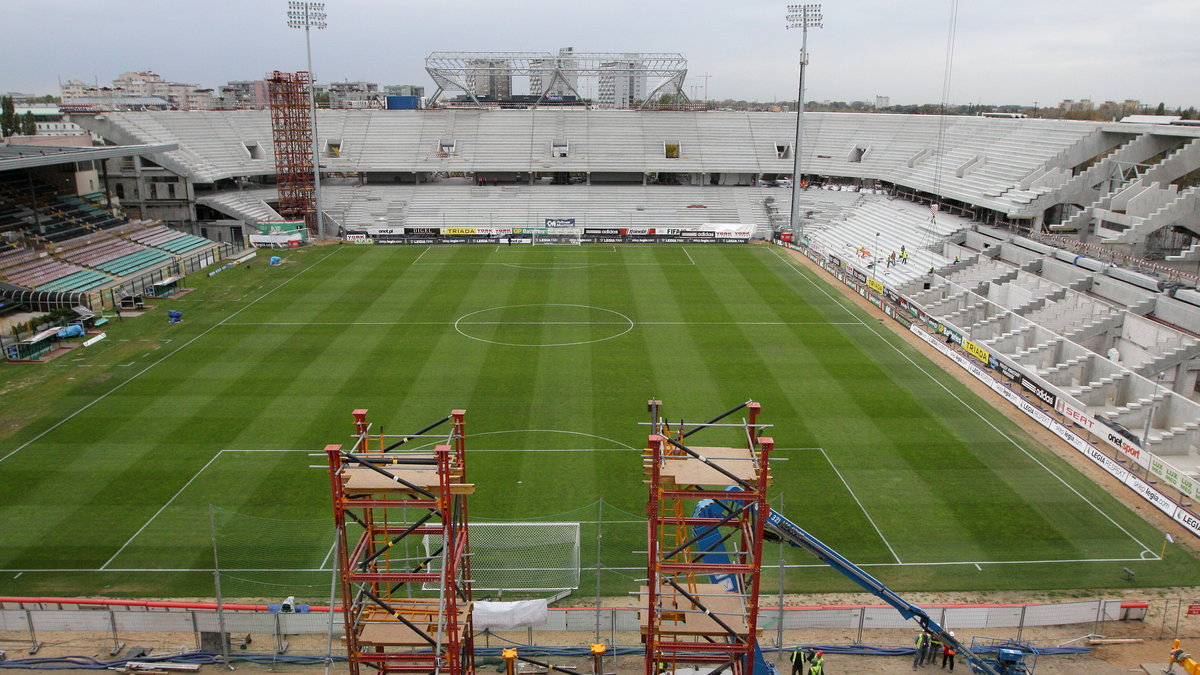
x,y
559,298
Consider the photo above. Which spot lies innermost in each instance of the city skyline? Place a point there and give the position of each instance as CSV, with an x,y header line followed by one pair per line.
x,y
1021,53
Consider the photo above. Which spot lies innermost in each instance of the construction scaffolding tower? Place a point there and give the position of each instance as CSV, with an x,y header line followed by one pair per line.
x,y
389,495
701,597
291,128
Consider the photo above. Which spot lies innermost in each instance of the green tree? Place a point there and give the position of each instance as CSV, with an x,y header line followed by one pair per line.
x,y
8,116
1161,109
28,124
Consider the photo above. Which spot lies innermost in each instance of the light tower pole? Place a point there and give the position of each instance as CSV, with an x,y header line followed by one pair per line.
x,y
802,17
309,15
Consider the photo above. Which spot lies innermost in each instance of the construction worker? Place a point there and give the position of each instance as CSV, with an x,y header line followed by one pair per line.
x,y
919,653
799,656
903,256
932,648
948,653
818,663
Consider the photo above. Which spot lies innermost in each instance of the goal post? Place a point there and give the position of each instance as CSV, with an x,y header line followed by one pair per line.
x,y
518,557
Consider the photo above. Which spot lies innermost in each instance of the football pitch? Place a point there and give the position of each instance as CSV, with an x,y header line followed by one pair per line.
x,y
111,456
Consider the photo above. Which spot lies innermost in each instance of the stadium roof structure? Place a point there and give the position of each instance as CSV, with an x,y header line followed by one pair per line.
x,y
30,156
456,71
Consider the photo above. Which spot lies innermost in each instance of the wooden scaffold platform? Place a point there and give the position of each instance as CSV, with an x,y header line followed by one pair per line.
x,y
701,598
383,495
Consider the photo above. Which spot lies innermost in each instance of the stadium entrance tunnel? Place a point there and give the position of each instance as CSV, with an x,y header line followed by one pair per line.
x,y
543,325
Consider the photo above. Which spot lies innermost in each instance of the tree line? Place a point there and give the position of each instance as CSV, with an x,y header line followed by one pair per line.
x,y
12,124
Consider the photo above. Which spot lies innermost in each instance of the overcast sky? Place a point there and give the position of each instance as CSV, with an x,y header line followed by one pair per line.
x,y
1007,51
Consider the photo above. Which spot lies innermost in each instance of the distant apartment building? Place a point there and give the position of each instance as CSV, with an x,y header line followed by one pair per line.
x,y
357,94
244,95
492,78
403,90
543,79
621,84
882,101
73,89
141,85
1080,105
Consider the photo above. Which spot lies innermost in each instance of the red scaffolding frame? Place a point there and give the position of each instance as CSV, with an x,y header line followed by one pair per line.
x,y
686,619
291,129
390,494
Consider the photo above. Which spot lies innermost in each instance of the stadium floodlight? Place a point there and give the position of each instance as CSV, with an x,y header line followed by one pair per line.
x,y
802,17
309,15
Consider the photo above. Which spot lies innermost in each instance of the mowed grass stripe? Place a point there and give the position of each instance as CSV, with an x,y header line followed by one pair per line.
x,y
293,386
122,442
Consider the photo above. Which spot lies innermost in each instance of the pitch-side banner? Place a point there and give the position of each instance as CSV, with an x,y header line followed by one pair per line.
x,y
977,351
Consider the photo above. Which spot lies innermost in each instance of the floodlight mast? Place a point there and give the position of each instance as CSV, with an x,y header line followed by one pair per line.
x,y
802,17
309,15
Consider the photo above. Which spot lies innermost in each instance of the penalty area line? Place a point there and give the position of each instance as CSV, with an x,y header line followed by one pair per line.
x,y
161,509
860,506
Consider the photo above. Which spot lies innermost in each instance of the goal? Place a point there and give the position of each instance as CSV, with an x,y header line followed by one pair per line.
x,y
518,556
556,240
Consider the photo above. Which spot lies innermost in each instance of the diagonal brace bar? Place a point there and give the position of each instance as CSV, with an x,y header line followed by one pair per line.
x,y
718,469
718,418
695,601
408,438
397,479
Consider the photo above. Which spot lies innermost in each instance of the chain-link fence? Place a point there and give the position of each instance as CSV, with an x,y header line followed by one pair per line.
x,y
92,626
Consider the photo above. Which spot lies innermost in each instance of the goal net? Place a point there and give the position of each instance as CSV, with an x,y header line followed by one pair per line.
x,y
518,556
556,240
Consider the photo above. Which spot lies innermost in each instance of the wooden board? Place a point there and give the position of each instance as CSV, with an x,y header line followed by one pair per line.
x,y
359,479
692,621
384,630
687,470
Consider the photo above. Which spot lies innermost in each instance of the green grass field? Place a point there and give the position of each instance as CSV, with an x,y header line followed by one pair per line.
x,y
110,456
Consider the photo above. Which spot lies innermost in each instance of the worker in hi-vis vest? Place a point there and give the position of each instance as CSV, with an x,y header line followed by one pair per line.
x,y
818,663
799,656
919,655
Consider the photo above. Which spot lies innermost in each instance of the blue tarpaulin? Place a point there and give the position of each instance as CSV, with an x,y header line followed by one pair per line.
x,y
74,330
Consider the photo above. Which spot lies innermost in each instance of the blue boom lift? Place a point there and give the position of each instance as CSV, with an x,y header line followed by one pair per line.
x,y
714,551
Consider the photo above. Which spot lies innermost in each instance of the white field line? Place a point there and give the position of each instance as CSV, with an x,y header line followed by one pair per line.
x,y
266,450
978,414
162,508
643,569
327,555
578,264
689,256
547,323
414,262
860,505
166,356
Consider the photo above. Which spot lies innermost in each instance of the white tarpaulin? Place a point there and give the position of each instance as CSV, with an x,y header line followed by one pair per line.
x,y
503,615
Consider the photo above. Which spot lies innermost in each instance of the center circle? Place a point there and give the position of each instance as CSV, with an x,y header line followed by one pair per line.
x,y
543,325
